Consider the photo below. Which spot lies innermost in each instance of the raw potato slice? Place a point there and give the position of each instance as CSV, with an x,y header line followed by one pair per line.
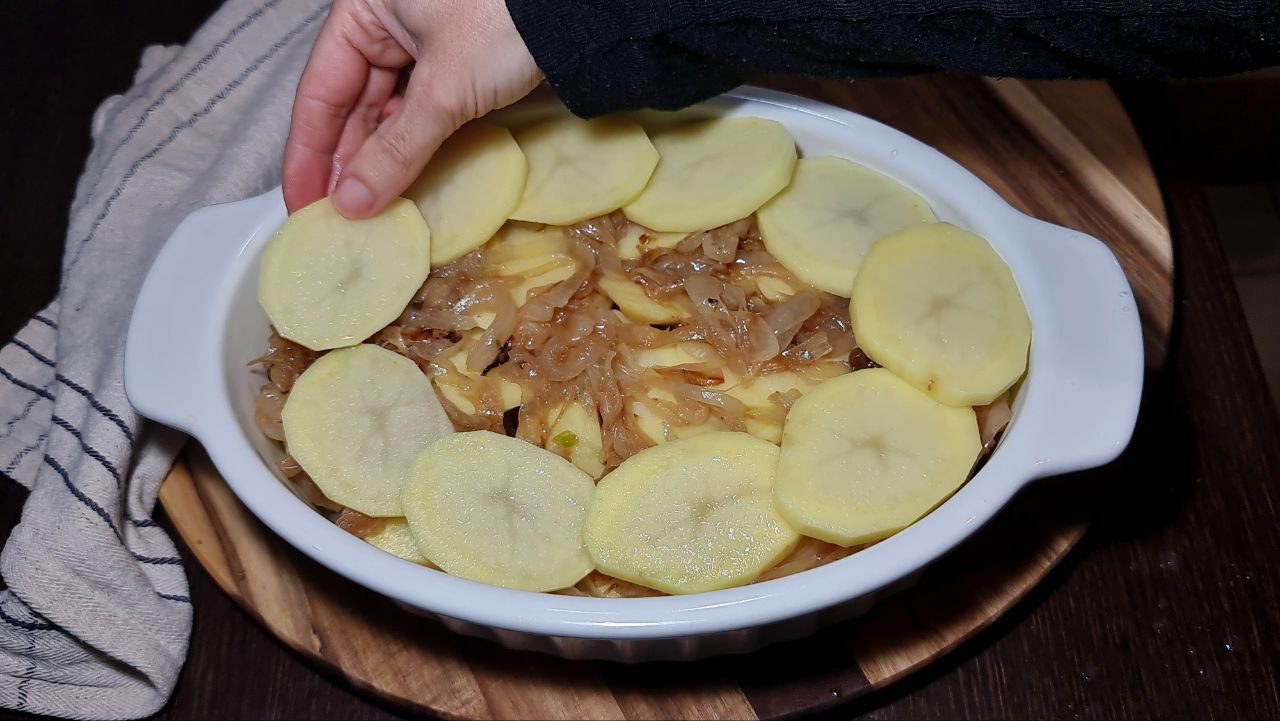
x,y
469,189
714,172
576,433
639,239
690,516
500,511
330,282
864,455
826,220
637,305
396,538
581,169
356,419
937,306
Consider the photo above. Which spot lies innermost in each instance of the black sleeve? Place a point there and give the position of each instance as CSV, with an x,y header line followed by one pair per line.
x,y
608,55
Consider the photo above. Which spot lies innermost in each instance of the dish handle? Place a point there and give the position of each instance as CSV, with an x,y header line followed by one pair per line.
x,y
1089,360
172,342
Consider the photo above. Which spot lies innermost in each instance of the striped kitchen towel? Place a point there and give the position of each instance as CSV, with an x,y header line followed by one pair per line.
x,y
96,617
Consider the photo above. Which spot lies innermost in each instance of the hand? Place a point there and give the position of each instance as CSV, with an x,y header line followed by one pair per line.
x,y
353,136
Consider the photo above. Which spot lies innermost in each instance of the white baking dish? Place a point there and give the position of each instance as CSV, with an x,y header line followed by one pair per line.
x,y
197,323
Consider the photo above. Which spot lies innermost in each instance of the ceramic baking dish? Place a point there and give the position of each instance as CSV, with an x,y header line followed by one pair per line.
x,y
197,324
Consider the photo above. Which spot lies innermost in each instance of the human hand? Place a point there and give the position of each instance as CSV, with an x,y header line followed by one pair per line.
x,y
352,136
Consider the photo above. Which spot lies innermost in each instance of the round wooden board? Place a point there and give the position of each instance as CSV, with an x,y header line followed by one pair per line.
x,y
1064,152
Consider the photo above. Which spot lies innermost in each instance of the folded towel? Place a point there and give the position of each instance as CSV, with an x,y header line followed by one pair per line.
x,y
96,618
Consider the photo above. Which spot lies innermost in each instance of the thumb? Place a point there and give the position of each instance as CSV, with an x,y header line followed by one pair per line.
x,y
394,155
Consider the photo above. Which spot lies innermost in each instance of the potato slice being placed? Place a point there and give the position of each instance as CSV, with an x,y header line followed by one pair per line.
x,y
330,282
714,172
937,306
500,511
581,169
864,455
356,419
469,189
691,515
826,220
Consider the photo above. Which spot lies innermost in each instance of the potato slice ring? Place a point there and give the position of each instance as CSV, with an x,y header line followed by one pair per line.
x,y
581,169
356,419
469,189
822,225
864,455
500,511
714,172
937,306
691,515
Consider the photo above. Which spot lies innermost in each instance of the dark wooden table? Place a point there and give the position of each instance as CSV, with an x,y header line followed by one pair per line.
x,y
1169,608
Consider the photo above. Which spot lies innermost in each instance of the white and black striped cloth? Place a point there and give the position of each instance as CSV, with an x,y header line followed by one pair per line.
x,y
96,619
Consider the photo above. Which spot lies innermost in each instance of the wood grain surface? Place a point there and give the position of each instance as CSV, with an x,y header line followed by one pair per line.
x,y
1056,165
1168,608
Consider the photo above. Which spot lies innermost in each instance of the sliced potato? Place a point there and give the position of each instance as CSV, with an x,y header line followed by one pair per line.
x,y
774,290
356,419
676,355
575,430
550,275
580,169
690,516
532,256
830,215
714,172
457,382
865,454
469,189
938,307
757,393
330,282
500,511
657,430
637,305
395,538
638,239
518,247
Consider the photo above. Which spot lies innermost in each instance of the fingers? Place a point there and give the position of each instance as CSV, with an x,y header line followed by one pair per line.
x,y
368,111
331,83
397,151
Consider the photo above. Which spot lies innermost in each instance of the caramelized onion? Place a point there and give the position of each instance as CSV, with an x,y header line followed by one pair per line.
x,y
786,317
267,406
992,419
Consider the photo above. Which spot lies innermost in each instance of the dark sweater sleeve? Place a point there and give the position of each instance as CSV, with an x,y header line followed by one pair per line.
x,y
608,55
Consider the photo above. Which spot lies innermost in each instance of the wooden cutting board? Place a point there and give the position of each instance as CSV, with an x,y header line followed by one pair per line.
x,y
1064,152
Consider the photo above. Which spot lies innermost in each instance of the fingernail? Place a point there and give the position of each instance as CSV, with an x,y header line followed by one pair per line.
x,y
353,197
